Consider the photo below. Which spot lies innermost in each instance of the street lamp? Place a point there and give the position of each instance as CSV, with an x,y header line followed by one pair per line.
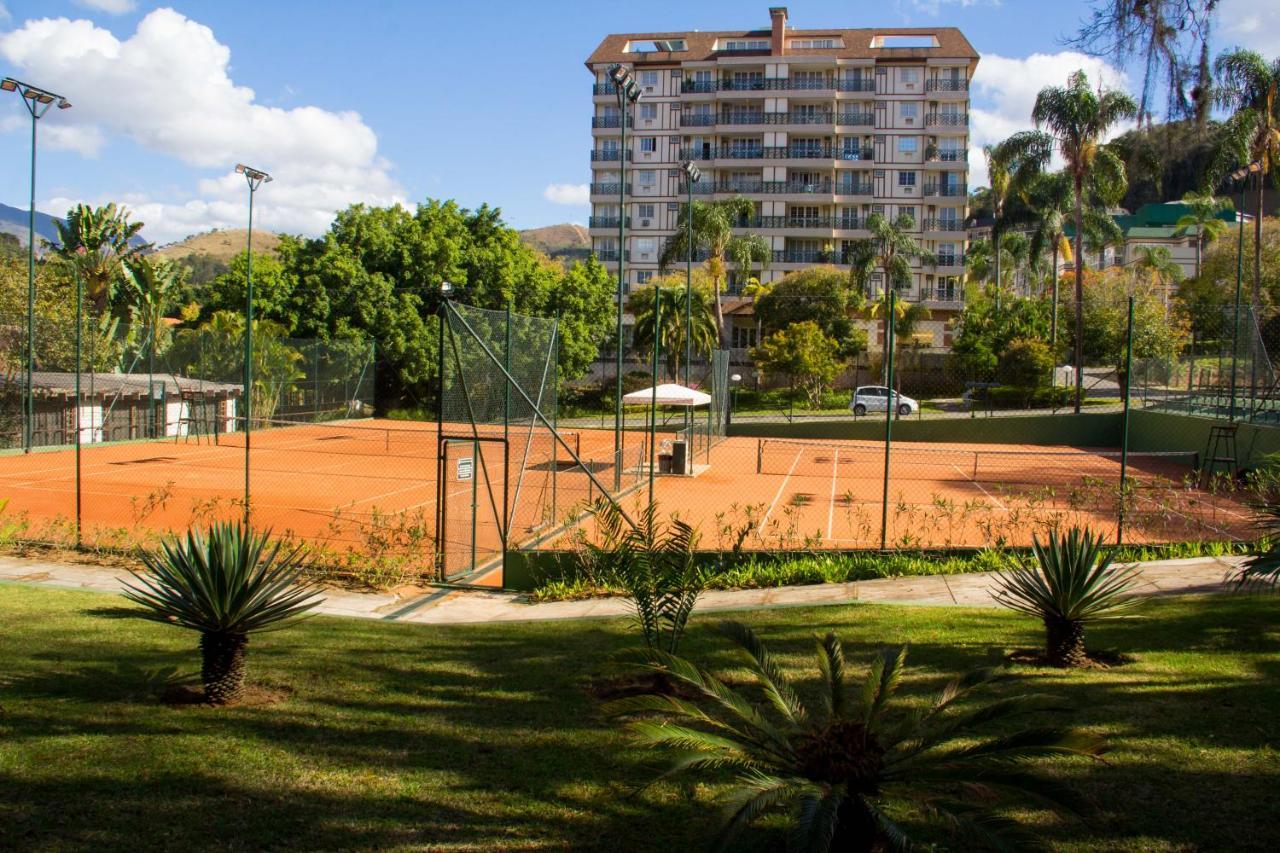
x,y
1240,176
628,92
38,101
736,381
692,175
255,178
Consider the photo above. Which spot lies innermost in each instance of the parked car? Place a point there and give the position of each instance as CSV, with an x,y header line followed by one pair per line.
x,y
874,398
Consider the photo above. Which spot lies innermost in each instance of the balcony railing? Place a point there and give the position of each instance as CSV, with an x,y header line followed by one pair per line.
x,y
941,295
605,222
803,256
948,261
611,255
770,84
947,157
853,188
946,120
698,120
608,188
791,152
949,190
607,155
607,121
856,84
603,89
696,87
943,225
774,187
855,117
942,84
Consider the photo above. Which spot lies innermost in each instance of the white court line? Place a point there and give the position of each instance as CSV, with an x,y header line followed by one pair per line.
x,y
831,507
781,488
999,504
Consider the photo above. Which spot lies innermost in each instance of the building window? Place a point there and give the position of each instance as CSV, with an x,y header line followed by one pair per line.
x,y
816,44
643,276
910,75
647,177
906,179
648,144
648,79
908,145
909,212
645,246
645,211
910,110
648,110
746,44
743,338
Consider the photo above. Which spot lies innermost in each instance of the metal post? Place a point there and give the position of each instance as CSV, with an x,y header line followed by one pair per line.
x,y
653,397
888,422
1124,433
248,355
555,417
506,397
79,426
440,451
622,233
1235,334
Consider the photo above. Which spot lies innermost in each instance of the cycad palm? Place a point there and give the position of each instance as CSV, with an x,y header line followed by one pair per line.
x,y
1079,118
1250,86
1202,221
843,764
713,224
96,241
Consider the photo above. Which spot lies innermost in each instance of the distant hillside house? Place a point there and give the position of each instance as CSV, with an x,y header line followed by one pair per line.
x,y
1151,225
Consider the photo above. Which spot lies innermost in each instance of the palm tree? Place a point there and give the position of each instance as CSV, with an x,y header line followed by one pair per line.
x,y
894,249
910,315
1162,270
747,250
1011,165
1079,118
153,285
979,261
1202,220
1248,85
671,298
713,225
845,765
226,584
97,242
1049,197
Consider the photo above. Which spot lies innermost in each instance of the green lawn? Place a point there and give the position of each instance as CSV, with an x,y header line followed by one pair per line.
x,y
483,738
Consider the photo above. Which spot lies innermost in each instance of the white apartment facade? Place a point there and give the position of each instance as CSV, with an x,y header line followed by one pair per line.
x,y
818,128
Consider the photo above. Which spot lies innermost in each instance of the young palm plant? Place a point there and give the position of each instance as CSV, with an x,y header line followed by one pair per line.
x,y
226,583
851,765
1067,584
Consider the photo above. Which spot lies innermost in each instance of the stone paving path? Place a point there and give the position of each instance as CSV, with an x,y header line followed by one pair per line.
x,y
449,606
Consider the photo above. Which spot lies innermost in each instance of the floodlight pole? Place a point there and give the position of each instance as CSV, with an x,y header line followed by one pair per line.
x,y
255,178
627,92
37,101
1241,175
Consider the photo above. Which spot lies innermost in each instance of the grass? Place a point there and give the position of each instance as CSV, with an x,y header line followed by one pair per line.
x,y
483,737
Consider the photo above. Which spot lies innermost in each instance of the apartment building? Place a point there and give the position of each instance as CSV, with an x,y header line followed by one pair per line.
x,y
819,128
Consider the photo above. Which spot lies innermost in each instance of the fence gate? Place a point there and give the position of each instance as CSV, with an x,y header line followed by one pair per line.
x,y
472,475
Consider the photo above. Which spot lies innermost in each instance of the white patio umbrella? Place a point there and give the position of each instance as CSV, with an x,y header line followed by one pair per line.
x,y
668,395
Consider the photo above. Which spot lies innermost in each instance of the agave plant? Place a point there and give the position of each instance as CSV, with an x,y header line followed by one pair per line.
x,y
654,563
1067,583
226,583
1263,570
851,765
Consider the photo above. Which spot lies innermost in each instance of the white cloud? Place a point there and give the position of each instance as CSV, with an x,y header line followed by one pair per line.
x,y
1248,23
1004,91
567,193
168,88
933,8
5,17
111,7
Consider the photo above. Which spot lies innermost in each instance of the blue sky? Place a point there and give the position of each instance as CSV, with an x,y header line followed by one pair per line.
x,y
400,101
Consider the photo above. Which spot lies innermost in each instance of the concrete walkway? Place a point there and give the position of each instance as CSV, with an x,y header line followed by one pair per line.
x,y
447,606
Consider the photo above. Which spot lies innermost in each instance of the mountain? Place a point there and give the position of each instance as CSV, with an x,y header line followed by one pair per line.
x,y
566,241
221,245
13,221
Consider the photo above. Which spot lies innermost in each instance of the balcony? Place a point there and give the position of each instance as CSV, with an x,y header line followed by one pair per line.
x,y
946,120
610,256
853,188
942,84
948,157
774,187
856,118
607,121
856,84
609,189
946,190
769,84
603,89
698,120
607,155
743,118
790,152
803,256
605,222
699,87
943,225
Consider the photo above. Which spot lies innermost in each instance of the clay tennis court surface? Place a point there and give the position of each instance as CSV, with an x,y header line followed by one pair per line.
x,y
369,487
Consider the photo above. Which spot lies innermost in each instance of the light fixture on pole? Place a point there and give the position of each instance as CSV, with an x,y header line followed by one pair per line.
x,y
735,380
38,102
1240,176
692,175
255,178
628,92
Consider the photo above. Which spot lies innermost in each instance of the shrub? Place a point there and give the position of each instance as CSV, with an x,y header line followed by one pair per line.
x,y
1026,363
843,765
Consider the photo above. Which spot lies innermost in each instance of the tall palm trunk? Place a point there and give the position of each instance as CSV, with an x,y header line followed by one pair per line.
x,y
1257,249
995,245
1079,271
1053,315
1199,249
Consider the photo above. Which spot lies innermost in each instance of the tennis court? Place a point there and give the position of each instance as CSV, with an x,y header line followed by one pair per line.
x,y
784,494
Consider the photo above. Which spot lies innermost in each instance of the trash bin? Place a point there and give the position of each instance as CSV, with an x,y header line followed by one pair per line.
x,y
664,463
680,457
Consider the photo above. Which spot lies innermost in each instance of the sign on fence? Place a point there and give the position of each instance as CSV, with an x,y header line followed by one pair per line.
x,y
466,468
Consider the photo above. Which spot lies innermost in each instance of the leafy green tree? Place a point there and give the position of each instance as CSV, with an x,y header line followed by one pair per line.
x,y
849,766
985,331
819,294
1202,220
804,354
96,242
273,289
1156,263
10,246
583,300
1156,333
1025,363
671,301
910,316
1079,118
1250,87
1219,268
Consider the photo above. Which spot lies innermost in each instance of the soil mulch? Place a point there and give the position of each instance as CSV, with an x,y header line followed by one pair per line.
x,y
1100,659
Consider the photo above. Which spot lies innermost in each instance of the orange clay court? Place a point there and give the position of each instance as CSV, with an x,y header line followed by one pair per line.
x,y
349,483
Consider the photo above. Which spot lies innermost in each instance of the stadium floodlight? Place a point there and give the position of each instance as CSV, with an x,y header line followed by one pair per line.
x,y
255,178
37,102
446,287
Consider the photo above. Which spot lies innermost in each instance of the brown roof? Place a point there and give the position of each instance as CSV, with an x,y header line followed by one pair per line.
x,y
857,45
